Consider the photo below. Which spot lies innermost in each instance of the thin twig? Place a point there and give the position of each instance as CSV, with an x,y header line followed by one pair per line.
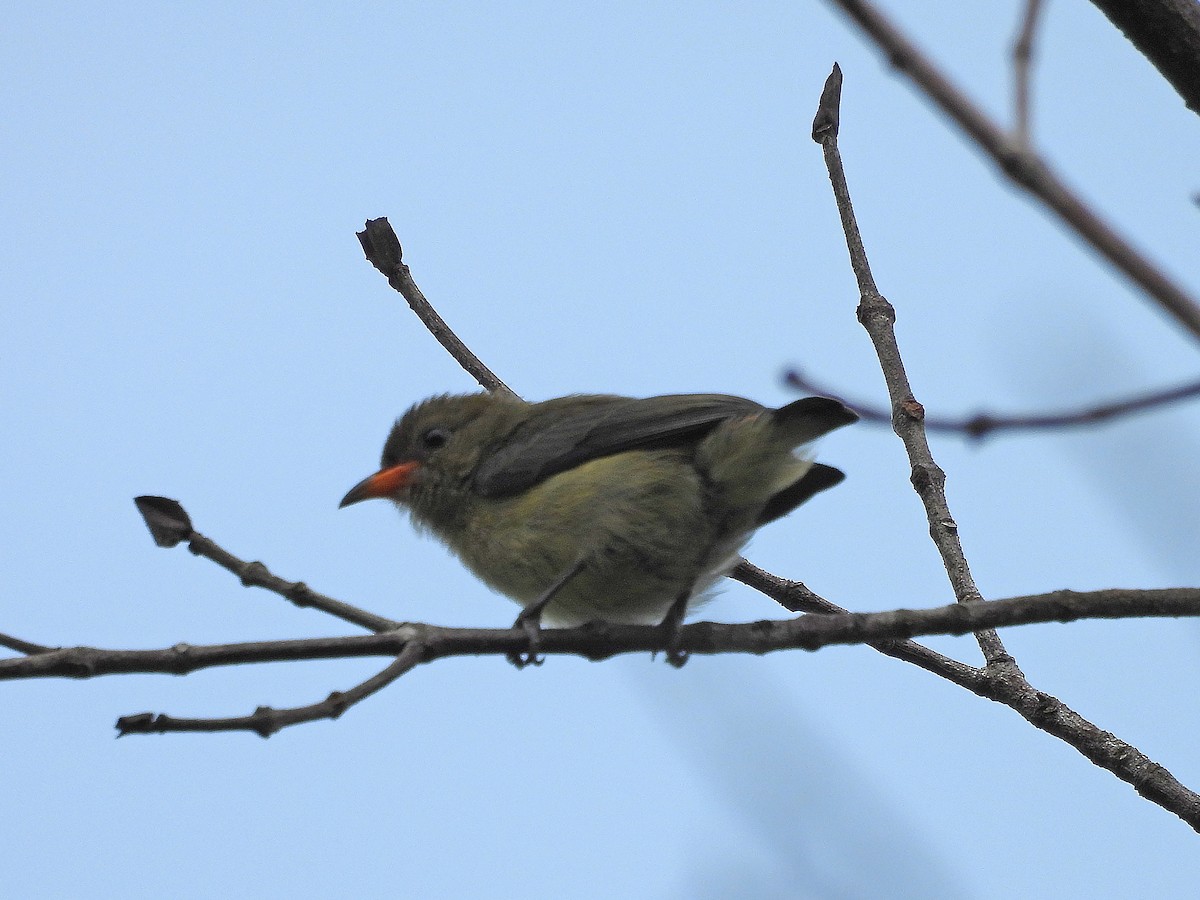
x,y
795,596
1022,70
170,525
983,424
877,317
265,721
28,648
256,574
382,247
1023,167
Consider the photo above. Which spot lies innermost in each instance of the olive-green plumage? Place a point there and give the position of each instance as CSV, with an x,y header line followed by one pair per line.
x,y
652,499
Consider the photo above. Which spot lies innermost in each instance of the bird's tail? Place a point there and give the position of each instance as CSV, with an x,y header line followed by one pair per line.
x,y
808,418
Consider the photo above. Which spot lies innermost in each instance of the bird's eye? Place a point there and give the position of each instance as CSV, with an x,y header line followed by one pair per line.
x,y
435,438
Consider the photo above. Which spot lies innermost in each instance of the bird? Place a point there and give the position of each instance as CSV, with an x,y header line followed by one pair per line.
x,y
601,507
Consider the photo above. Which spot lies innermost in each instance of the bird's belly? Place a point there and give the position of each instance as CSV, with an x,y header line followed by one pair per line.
x,y
637,521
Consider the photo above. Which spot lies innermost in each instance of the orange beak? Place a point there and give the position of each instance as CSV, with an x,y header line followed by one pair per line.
x,y
384,483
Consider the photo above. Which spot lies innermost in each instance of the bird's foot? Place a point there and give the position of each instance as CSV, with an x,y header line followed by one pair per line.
x,y
672,627
530,621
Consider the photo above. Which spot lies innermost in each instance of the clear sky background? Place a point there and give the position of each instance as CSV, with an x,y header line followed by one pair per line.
x,y
619,198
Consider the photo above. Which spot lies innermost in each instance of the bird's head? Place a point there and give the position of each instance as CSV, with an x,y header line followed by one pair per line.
x,y
432,450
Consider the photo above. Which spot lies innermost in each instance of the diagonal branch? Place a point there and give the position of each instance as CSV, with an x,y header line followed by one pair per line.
x,y
877,317
1024,167
170,525
1004,681
382,247
1167,32
26,648
795,596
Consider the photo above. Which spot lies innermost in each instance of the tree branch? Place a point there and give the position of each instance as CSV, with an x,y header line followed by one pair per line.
x,y
1022,70
416,643
265,721
877,317
1167,32
382,247
602,640
1024,167
982,424
25,647
170,525
1003,679
795,596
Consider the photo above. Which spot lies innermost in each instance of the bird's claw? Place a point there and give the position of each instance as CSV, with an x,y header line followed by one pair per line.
x,y
672,626
529,621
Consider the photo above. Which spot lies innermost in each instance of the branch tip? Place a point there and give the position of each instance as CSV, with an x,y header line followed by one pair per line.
x,y
167,520
381,246
825,123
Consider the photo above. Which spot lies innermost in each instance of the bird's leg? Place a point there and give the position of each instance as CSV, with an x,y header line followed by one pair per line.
x,y
530,619
672,626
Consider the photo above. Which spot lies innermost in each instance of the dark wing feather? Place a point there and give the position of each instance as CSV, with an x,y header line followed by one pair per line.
x,y
570,431
818,478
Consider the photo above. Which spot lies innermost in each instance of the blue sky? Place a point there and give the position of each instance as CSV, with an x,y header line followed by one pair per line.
x,y
617,198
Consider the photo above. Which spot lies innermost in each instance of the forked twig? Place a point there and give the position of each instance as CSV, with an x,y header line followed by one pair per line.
x,y
1004,680
877,317
1024,167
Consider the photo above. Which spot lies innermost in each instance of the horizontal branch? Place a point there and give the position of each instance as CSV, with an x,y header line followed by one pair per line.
x,y
982,424
600,640
412,644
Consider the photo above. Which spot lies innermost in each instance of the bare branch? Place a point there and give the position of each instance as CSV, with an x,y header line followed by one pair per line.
x,y
1167,32
25,647
795,596
1003,680
170,524
1023,167
1022,69
382,247
1106,750
877,317
415,643
602,640
265,721
983,424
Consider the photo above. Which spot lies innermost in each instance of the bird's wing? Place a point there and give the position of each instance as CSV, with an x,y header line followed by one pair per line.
x,y
818,478
569,431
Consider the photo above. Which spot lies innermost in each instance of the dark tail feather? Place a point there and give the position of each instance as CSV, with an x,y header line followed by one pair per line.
x,y
816,479
808,418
